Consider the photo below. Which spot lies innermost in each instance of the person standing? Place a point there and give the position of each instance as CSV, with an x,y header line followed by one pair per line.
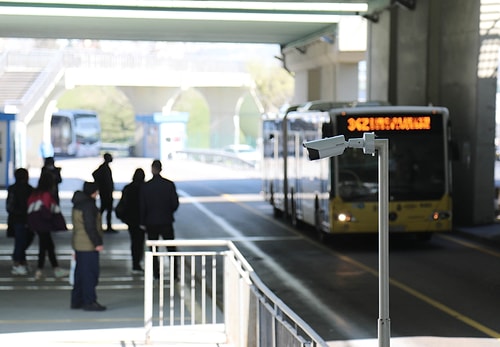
x,y
131,216
45,217
104,179
87,243
49,166
17,220
158,203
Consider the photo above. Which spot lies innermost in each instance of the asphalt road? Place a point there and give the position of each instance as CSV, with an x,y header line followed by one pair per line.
x,y
446,287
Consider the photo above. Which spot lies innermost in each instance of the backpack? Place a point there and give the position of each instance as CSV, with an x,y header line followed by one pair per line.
x,y
121,208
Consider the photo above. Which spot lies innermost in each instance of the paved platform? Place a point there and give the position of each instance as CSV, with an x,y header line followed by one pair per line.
x,y
179,336
489,233
40,310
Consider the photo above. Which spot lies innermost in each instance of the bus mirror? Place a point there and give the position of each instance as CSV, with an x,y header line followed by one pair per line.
x,y
327,129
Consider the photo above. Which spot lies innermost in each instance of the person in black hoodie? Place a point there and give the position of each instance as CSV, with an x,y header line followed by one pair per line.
x,y
131,216
17,221
87,243
49,166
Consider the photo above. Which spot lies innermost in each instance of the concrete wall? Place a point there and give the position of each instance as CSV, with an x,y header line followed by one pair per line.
x,y
431,56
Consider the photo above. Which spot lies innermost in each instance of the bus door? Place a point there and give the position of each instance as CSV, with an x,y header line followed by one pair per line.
x,y
277,169
295,173
272,152
313,183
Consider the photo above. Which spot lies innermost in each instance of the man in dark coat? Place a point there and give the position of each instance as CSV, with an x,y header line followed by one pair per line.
x,y
158,202
131,216
104,179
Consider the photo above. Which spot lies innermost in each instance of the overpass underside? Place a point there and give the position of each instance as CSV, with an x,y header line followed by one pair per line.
x,y
437,52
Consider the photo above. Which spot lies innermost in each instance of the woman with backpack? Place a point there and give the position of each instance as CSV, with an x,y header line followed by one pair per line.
x,y
45,217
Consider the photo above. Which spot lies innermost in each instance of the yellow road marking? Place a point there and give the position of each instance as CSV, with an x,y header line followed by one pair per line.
x,y
434,303
446,309
471,245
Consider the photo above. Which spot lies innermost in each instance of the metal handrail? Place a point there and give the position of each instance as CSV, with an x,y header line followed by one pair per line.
x,y
49,75
245,287
215,156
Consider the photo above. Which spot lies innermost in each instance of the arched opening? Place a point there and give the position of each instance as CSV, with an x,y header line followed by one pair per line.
x,y
192,102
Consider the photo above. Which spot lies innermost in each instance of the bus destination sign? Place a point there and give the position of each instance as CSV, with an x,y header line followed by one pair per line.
x,y
393,123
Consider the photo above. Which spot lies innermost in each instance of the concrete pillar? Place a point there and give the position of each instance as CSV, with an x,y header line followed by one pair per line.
x,y
223,108
37,126
326,68
148,100
432,55
326,78
347,81
315,83
301,89
469,90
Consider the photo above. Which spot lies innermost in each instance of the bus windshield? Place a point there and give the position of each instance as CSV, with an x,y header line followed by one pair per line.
x,y
416,169
87,129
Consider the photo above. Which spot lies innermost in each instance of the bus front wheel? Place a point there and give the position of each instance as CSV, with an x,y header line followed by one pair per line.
x,y
293,212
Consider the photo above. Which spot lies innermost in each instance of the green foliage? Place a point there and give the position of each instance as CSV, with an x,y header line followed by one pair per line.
x,y
249,122
113,108
274,85
198,126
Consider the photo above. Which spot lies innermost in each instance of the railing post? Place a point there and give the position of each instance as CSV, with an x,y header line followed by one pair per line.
x,y
148,295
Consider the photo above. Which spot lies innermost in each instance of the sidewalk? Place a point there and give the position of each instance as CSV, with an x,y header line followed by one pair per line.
x,y
39,311
178,336
487,233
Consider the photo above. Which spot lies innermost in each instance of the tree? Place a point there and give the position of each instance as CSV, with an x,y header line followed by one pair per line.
x,y
198,126
114,110
274,85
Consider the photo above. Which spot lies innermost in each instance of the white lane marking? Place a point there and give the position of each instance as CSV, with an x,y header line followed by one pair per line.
x,y
319,306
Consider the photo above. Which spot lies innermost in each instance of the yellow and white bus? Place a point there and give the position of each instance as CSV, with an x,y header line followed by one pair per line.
x,y
339,195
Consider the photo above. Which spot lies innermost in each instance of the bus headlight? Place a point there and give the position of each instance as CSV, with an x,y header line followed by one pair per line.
x,y
440,215
344,217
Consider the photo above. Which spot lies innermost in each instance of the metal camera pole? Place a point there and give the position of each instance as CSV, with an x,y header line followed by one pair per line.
x,y
371,145
384,322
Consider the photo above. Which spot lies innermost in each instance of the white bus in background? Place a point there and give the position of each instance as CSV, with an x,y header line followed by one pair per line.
x,y
75,133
